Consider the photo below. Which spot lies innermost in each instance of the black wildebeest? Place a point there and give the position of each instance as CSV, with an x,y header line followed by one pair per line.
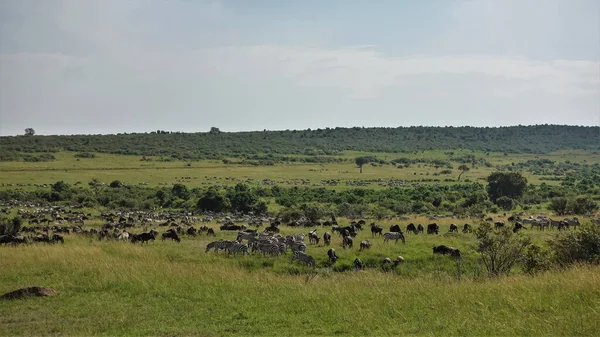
x,y
445,250
433,228
332,256
467,228
453,228
411,228
376,229
327,238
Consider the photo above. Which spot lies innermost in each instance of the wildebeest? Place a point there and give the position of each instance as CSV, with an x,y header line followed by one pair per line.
x,y
143,237
332,256
411,228
171,234
272,229
376,229
395,228
58,238
518,226
364,244
467,228
191,231
358,264
313,237
327,238
499,224
347,242
230,227
303,257
433,228
453,228
210,232
420,228
445,250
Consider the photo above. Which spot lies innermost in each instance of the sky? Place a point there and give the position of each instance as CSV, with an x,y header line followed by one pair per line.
x,y
111,66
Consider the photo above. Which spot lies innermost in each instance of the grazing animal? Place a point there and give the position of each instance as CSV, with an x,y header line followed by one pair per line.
x,y
332,256
269,248
238,248
358,264
296,246
398,261
394,236
445,250
245,236
467,228
191,231
499,224
364,244
58,238
518,226
420,228
144,237
433,228
376,229
313,237
347,242
210,232
453,228
303,257
395,228
411,228
171,234
327,238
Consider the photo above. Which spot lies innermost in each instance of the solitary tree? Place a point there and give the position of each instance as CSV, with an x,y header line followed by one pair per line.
x,y
511,184
463,168
29,132
214,131
360,161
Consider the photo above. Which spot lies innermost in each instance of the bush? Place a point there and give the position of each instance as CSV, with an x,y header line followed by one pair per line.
x,y
499,250
116,184
505,203
536,260
577,246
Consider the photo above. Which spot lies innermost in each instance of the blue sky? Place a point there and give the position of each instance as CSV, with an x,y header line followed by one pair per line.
x,y
70,66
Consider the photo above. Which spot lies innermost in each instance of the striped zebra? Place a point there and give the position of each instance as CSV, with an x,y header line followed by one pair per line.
x,y
393,236
282,247
245,236
218,245
298,246
271,248
238,248
303,257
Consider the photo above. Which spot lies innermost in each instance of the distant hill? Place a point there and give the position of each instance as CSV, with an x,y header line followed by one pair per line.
x,y
329,141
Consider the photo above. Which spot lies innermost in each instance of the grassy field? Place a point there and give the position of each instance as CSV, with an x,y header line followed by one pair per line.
x,y
165,288
129,169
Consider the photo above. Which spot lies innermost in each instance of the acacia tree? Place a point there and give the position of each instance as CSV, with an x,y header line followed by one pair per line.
x,y
500,250
360,161
29,132
463,168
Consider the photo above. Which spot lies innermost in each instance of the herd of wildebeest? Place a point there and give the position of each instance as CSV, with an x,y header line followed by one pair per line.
x,y
50,224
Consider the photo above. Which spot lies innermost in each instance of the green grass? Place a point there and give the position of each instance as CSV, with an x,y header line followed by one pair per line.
x,y
130,169
116,288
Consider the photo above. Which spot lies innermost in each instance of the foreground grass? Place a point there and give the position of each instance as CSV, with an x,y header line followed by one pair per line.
x,y
167,289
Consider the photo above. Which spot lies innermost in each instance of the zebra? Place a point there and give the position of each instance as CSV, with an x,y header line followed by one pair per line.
x,y
282,247
245,236
298,246
270,248
238,248
394,236
303,257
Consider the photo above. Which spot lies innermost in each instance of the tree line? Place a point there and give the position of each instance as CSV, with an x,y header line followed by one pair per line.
x,y
319,142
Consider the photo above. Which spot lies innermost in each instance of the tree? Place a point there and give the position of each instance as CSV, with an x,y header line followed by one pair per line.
x,y
29,132
360,161
60,186
116,184
463,168
180,191
214,131
501,184
500,250
213,201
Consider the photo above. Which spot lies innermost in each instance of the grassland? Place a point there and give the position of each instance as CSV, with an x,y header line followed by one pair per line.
x,y
116,288
129,169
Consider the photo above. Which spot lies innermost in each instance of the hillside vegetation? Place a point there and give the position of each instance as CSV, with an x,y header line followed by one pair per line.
x,y
219,145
